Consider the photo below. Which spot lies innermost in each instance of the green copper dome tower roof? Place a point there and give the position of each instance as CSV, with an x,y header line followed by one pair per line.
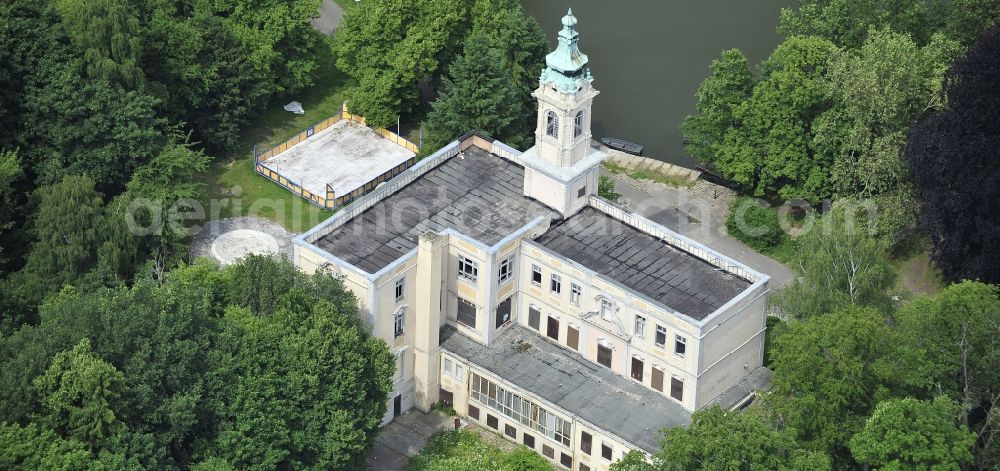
x,y
566,67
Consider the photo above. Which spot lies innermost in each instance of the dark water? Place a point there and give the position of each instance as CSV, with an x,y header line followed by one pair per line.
x,y
649,56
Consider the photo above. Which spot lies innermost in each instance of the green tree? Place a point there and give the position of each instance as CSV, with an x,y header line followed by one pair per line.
x,y
847,22
81,394
392,46
632,461
66,229
477,96
838,263
829,372
880,90
913,434
31,448
106,34
10,173
606,189
968,19
951,345
769,152
729,85
755,223
721,440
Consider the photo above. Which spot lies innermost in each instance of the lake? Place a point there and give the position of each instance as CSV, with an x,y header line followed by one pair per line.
x,y
649,56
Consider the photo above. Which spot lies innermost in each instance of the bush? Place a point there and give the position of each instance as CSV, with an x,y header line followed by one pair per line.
x,y
606,189
755,223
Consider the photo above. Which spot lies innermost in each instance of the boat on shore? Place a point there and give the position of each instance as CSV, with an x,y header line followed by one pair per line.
x,y
622,145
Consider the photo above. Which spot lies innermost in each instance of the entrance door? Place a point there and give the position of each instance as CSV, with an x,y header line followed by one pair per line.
x,y
397,406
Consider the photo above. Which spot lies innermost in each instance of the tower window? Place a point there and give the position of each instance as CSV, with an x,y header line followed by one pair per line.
x,y
578,124
551,124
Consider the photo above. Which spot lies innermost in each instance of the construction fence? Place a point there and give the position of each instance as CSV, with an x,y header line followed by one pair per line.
x,y
329,200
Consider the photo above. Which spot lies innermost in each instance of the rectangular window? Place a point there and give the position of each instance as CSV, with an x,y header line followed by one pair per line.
x,y
506,269
447,397
503,311
473,412
519,409
548,451
566,460
604,355
468,269
449,367
676,388
574,293
584,467
459,372
640,326
556,286
400,364
492,422
400,288
536,275
661,336
680,345
586,441
607,309
572,337
581,192
552,329
534,317
466,313
399,321
528,440
657,380
637,366
510,431
606,451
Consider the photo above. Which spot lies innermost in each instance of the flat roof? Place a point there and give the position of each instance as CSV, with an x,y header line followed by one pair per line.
x,y
564,378
345,155
476,193
643,263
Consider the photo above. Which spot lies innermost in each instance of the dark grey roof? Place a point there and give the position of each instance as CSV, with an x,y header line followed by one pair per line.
x,y
643,263
476,193
566,379
758,380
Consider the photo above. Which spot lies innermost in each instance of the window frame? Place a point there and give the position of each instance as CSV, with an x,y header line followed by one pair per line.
x,y
677,385
635,374
660,331
400,289
399,322
610,355
607,451
458,312
555,284
578,124
468,268
552,124
506,271
680,343
639,327
607,308
536,275
575,293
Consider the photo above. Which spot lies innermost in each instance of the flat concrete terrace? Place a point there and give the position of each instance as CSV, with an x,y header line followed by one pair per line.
x,y
475,193
565,379
644,263
346,155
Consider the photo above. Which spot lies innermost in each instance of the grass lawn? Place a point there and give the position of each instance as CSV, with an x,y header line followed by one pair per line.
x,y
915,274
236,187
467,451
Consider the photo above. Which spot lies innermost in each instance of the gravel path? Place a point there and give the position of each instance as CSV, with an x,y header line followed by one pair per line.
x,y
329,18
201,245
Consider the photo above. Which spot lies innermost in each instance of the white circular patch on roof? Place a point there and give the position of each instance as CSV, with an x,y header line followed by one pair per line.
x,y
234,245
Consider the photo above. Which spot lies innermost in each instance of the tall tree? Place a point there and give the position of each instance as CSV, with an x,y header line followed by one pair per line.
x,y
769,152
729,85
476,96
838,262
717,440
913,434
951,345
829,372
952,157
847,22
106,34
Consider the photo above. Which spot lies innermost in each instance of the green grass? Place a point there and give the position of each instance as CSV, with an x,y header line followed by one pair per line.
x,y
669,180
238,190
915,273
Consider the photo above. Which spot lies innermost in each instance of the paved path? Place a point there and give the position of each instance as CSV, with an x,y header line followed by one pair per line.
x,y
405,437
329,18
698,214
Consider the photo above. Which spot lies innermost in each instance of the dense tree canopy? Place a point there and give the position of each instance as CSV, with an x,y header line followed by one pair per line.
x,y
953,158
913,434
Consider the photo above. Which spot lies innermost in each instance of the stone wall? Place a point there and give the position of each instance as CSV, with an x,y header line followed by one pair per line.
x,y
635,162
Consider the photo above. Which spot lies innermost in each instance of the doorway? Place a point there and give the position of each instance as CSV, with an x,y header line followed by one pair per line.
x,y
397,406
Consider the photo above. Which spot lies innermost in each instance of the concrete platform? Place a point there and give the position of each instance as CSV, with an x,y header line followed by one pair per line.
x,y
231,246
404,437
345,155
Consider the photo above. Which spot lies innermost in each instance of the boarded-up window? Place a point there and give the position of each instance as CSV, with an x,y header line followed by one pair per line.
x,y
586,442
534,317
510,431
528,440
474,412
676,388
604,355
637,369
566,460
493,422
548,451
572,337
553,328
466,313
657,380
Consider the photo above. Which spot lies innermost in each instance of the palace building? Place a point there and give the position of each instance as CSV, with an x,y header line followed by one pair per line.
x,y
509,290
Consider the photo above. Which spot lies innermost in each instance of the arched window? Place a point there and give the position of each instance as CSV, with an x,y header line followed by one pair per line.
x,y
551,124
578,124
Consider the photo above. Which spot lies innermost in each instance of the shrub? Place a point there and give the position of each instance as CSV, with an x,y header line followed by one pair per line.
x,y
755,223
